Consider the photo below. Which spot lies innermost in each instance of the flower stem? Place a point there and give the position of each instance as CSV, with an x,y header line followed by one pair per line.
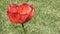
x,y
23,29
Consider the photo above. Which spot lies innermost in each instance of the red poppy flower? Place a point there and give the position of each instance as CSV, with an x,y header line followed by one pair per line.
x,y
20,13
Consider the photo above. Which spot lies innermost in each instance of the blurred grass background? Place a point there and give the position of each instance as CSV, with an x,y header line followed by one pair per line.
x,y
46,19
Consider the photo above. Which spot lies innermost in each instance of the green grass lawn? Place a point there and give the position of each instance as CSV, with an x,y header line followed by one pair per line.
x,y
46,19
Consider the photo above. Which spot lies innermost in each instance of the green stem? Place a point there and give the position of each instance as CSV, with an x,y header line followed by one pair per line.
x,y
23,29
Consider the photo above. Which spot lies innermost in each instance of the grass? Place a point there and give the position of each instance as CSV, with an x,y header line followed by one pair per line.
x,y
46,19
